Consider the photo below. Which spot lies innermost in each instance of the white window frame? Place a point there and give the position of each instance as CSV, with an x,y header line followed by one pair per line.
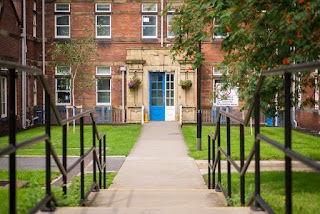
x,y
170,7
62,13
156,26
215,82
218,72
3,96
56,9
149,7
103,76
214,36
60,75
169,18
105,26
99,10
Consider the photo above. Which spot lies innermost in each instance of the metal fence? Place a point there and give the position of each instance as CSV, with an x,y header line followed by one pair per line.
x,y
98,152
215,150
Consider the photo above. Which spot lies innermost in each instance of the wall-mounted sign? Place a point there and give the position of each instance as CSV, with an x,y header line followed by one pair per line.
x,y
227,97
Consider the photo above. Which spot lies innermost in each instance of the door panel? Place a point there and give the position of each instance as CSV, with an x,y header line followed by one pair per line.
x,y
170,108
157,107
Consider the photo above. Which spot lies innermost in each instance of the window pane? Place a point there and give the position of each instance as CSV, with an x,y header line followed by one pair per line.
x,y
103,84
63,70
103,31
160,85
149,20
154,102
63,31
63,97
160,102
103,7
103,97
149,7
103,20
104,70
62,20
63,84
62,7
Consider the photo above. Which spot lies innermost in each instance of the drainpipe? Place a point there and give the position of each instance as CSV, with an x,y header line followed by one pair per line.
x,y
43,54
161,23
123,70
24,62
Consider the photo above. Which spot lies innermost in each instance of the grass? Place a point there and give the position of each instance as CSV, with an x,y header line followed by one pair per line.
x,y
303,143
306,190
120,139
30,195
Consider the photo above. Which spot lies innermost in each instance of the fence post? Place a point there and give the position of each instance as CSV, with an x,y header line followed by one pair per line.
x,y
48,207
257,148
242,177
287,117
12,140
82,162
229,154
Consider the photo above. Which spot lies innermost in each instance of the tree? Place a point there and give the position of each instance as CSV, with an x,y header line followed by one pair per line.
x,y
77,54
258,34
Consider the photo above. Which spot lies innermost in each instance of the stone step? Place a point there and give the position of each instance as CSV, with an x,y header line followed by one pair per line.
x,y
157,198
159,210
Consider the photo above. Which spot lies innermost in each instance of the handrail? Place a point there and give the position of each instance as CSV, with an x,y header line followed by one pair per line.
x,y
48,203
214,164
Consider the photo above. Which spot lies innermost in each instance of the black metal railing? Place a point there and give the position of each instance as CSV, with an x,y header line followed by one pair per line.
x,y
216,151
49,202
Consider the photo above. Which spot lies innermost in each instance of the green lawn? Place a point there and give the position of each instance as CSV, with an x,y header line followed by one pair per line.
x,y
306,190
120,139
303,143
29,196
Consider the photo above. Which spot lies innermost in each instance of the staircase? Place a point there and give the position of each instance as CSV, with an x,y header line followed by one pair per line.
x,y
157,177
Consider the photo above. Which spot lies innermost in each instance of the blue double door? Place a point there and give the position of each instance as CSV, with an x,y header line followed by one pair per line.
x,y
157,96
162,97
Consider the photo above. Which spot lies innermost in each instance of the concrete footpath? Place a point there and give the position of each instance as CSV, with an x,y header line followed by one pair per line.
x,y
157,177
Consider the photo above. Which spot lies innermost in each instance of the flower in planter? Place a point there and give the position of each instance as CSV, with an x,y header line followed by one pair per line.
x,y
185,84
134,83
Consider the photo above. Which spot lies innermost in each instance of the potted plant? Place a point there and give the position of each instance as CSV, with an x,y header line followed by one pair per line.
x,y
134,83
185,84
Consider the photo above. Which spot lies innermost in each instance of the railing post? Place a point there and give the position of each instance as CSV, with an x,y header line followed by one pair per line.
x,y
209,162
64,157
219,153
104,160
82,162
257,148
100,160
93,154
213,159
242,177
288,166
228,154
48,207
12,141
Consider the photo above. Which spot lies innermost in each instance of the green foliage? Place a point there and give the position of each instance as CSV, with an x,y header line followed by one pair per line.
x,y
120,139
29,196
77,53
305,190
185,84
258,34
305,144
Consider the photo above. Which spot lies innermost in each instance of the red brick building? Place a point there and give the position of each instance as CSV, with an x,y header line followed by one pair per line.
x,y
133,40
